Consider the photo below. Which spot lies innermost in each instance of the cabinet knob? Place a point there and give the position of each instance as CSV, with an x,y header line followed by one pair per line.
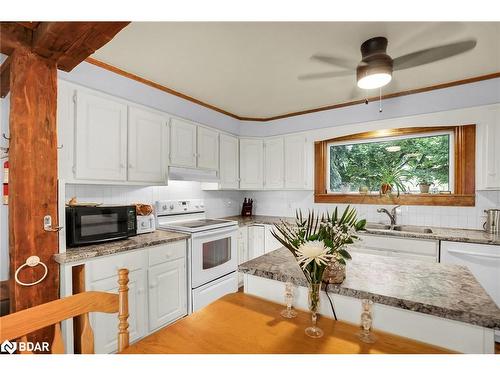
x,y
153,285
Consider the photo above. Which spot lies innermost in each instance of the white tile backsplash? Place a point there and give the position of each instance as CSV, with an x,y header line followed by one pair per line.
x,y
217,203
284,203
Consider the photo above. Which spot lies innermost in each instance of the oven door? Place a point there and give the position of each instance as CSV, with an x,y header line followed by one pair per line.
x,y
90,225
214,254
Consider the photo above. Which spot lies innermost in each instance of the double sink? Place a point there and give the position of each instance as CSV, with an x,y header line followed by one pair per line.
x,y
399,228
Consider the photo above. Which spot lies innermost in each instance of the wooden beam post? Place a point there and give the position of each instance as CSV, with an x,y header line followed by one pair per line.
x,y
33,179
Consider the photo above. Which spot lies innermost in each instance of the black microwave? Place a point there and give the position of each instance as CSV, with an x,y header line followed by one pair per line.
x,y
90,225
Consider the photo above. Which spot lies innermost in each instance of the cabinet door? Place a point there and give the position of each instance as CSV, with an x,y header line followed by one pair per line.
x,y
147,146
105,326
256,241
489,151
270,243
229,162
208,149
242,245
167,293
295,162
182,143
273,163
100,138
251,163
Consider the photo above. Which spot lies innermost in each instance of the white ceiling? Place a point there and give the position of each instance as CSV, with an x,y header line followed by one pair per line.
x,y
250,69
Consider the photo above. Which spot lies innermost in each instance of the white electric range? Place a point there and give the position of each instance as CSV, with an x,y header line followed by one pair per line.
x,y
212,251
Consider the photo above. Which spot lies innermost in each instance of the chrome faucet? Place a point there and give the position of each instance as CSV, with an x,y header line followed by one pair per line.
x,y
392,215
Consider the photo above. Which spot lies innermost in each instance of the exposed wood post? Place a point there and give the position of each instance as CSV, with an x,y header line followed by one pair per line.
x,y
123,335
33,179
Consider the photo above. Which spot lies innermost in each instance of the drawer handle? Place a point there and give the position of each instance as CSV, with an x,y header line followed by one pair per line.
x,y
495,256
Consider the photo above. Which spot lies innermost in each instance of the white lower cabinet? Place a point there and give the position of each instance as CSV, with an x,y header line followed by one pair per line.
x,y
256,241
157,291
242,250
270,243
410,248
167,293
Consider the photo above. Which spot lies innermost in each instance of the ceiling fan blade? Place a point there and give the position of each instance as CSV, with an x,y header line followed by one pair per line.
x,y
429,55
337,61
309,76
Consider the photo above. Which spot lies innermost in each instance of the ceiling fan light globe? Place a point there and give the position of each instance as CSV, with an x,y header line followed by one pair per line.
x,y
374,81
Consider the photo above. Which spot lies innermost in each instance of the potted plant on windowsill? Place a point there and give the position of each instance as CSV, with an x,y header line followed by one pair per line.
x,y
392,177
424,179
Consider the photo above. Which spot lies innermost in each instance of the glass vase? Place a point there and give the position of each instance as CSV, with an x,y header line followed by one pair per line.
x,y
365,335
289,312
314,302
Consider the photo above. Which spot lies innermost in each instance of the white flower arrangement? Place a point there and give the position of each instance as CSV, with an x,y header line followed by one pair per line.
x,y
316,241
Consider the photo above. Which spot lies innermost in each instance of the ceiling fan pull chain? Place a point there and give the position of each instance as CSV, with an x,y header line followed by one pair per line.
x,y
380,100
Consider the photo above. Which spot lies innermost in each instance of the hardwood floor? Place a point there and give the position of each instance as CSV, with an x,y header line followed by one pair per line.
x,y
497,348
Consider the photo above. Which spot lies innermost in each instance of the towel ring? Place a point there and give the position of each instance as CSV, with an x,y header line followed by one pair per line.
x,y
32,261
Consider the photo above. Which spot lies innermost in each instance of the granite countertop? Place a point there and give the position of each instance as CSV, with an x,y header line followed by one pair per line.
x,y
446,291
83,253
438,233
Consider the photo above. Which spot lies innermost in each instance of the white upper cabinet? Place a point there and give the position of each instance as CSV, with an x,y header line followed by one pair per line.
x,y
182,143
273,163
100,138
228,165
295,162
251,163
488,152
208,149
147,146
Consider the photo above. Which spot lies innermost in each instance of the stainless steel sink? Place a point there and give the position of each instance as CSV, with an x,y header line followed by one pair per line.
x,y
399,228
412,229
377,226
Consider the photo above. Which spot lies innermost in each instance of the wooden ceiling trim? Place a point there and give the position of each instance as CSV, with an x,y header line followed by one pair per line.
x,y
147,82
5,77
158,86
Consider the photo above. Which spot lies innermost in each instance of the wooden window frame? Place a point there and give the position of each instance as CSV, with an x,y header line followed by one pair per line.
x,y
464,170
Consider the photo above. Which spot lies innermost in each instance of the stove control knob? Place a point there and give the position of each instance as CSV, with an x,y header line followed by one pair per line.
x,y
171,206
164,207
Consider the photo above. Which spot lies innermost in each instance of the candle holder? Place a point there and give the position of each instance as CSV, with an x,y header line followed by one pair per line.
x,y
365,335
289,312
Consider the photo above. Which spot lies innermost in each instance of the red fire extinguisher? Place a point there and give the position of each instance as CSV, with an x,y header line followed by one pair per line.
x,y
6,182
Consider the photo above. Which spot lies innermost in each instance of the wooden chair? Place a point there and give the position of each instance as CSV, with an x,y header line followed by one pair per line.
x,y
21,323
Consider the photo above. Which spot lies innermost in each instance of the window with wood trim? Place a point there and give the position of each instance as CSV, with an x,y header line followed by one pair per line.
x,y
412,166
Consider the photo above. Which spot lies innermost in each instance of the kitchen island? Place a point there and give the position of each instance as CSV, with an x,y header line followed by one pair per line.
x,y
439,304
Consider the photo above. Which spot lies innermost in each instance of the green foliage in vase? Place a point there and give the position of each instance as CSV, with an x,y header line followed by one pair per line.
x,y
315,240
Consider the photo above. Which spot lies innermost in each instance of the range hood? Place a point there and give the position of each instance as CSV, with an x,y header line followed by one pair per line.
x,y
192,174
